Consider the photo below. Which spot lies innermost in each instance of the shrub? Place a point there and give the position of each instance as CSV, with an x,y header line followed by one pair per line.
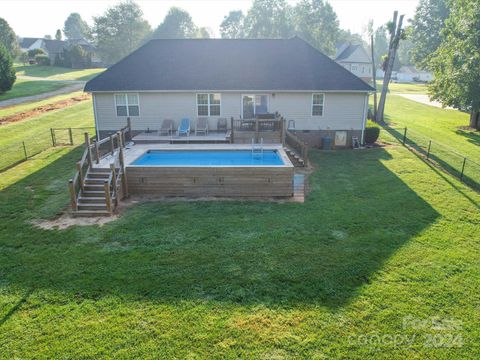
x,y
34,52
42,60
7,71
372,132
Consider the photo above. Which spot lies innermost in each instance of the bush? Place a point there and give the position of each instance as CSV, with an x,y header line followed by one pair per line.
x,y
34,52
7,71
42,60
372,132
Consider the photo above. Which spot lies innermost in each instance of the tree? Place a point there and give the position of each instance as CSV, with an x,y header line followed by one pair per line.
x,y
406,47
396,34
316,22
76,28
58,35
8,38
177,24
34,52
232,25
456,62
427,25
381,44
203,33
78,57
23,57
120,30
268,19
7,71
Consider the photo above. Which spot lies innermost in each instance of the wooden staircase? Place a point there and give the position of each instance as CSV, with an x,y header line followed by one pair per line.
x,y
95,190
296,149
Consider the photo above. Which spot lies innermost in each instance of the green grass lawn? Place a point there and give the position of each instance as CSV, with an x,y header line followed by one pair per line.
x,y
11,110
23,88
35,131
383,246
403,88
57,73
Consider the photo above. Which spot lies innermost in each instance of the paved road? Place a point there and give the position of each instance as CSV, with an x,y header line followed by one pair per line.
x,y
74,86
424,99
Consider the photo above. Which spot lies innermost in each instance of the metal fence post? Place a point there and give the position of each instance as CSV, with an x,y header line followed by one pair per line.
x,y
52,133
429,146
25,150
404,135
463,168
70,135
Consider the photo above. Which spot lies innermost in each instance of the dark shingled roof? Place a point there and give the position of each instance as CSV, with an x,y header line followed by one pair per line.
x,y
353,53
27,42
226,64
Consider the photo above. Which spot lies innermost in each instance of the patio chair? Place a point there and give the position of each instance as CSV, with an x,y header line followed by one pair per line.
x,y
166,128
201,126
184,127
222,124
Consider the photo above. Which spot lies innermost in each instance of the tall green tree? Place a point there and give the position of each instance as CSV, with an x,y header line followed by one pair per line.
x,y
7,71
120,30
381,44
8,38
316,22
268,19
76,28
406,47
232,25
177,24
427,25
58,35
456,62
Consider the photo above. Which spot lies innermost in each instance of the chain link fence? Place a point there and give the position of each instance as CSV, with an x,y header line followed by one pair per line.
x,y
16,153
464,168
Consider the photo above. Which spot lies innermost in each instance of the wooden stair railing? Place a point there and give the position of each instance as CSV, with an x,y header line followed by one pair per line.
x,y
298,147
94,190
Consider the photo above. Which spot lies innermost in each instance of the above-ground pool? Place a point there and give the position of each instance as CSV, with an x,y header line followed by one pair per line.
x,y
209,158
207,173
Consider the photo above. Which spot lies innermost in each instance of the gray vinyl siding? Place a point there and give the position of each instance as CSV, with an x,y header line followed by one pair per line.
x,y
342,111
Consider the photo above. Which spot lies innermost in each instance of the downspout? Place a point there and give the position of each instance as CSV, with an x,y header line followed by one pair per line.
x,y
365,107
97,131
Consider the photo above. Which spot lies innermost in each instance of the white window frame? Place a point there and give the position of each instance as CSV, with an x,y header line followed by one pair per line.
x,y
323,105
354,67
126,103
254,103
208,103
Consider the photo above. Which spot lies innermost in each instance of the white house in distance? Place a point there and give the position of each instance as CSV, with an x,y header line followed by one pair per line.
x,y
231,78
355,59
408,74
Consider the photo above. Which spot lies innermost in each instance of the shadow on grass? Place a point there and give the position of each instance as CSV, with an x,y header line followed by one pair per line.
x,y
473,137
322,252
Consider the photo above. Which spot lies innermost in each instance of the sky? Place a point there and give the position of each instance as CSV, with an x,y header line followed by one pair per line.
x,y
36,18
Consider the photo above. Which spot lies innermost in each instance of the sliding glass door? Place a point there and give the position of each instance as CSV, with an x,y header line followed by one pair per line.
x,y
253,105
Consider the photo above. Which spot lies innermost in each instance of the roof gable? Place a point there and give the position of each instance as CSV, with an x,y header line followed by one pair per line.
x,y
353,53
226,64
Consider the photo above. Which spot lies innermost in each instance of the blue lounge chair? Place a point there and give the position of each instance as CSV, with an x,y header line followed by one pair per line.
x,y
184,127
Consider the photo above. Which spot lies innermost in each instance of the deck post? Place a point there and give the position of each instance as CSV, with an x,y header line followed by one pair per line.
x,y
97,154
112,145
231,133
121,143
108,202
70,135
80,174
282,129
73,196
121,158
89,150
129,124
114,182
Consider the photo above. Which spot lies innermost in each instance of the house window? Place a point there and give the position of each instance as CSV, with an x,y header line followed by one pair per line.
x,y
127,104
208,104
317,104
354,67
253,105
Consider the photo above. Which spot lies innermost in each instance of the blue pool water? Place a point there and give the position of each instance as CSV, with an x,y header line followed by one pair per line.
x,y
208,158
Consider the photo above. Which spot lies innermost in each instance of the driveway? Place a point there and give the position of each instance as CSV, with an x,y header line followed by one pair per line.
x,y
424,99
74,86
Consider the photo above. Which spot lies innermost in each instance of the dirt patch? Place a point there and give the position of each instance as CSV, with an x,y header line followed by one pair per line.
x,y
67,220
468,128
43,109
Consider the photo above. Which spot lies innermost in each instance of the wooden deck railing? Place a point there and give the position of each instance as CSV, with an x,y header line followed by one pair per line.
x,y
258,126
296,144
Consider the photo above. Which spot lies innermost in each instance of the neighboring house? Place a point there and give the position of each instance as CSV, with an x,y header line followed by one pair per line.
x,y
408,74
55,48
355,59
231,78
